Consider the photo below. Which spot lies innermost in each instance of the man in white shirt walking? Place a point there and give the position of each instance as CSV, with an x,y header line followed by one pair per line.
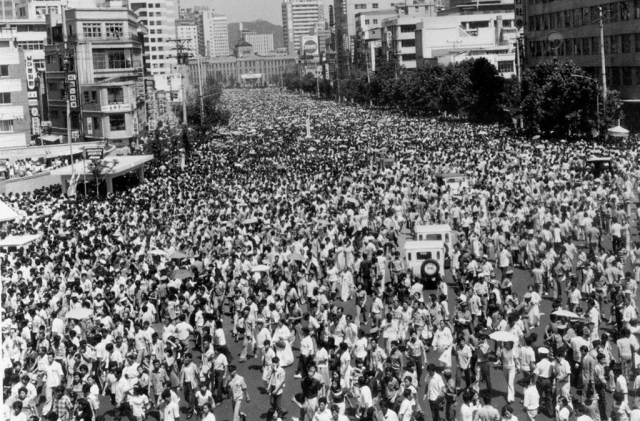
x,y
531,401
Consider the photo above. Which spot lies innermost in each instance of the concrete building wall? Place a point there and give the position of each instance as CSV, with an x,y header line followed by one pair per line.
x,y
15,120
570,30
215,34
262,43
298,18
160,20
28,184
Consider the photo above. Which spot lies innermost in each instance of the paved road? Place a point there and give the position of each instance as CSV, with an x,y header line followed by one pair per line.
x,y
259,404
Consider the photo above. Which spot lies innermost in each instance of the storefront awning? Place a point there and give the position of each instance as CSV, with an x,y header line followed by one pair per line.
x,y
50,138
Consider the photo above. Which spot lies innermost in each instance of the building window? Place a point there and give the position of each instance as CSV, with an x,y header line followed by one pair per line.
x,y
407,28
374,5
408,43
408,57
636,7
115,95
6,126
361,6
637,42
5,98
626,43
375,21
92,30
31,45
117,122
626,76
505,66
366,21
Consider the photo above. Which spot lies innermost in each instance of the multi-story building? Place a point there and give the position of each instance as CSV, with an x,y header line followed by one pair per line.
x,y
323,32
570,30
187,31
160,19
298,18
345,19
443,40
369,35
100,73
262,43
213,36
16,89
244,68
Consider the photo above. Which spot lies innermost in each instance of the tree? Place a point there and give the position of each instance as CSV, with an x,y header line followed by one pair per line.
x,y
99,168
454,88
213,111
559,99
486,92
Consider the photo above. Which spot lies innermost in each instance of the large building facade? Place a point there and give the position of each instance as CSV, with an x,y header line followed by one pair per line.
x,y
244,68
262,43
187,33
298,18
213,34
160,19
570,29
101,75
15,91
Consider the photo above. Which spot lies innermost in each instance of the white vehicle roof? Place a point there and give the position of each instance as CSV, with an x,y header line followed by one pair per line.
x,y
423,245
433,228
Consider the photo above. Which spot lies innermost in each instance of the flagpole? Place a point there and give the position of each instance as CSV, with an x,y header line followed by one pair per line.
x,y
84,172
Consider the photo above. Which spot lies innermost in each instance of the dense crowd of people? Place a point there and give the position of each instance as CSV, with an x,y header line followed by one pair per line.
x,y
285,234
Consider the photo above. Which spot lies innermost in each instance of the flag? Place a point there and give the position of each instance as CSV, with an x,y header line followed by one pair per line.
x,y
73,183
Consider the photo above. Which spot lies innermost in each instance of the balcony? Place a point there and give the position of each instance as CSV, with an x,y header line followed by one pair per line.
x,y
116,64
102,38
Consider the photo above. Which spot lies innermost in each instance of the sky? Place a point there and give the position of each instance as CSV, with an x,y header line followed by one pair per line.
x,y
244,10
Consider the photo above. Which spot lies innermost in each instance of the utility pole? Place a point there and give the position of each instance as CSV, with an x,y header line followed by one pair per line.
x,y
67,53
454,42
183,60
200,80
604,72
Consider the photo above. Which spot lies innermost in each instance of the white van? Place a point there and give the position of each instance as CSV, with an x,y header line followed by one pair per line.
x,y
425,259
454,182
440,232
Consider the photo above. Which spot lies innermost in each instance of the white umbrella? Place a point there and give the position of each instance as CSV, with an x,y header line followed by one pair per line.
x,y
503,336
618,131
565,313
157,252
260,268
79,313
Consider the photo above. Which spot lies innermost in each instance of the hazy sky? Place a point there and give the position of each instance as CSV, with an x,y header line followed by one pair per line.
x,y
245,10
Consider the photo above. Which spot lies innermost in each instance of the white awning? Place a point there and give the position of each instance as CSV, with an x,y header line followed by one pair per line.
x,y
19,240
6,213
251,76
50,138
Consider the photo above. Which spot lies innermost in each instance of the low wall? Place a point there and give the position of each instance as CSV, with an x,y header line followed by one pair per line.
x,y
28,184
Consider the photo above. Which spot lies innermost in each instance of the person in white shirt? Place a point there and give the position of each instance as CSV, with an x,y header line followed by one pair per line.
x,y
405,413
531,401
322,413
171,410
139,404
207,415
467,408
54,374
434,391
335,413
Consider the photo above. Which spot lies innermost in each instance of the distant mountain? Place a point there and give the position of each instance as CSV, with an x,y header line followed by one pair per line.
x,y
260,27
